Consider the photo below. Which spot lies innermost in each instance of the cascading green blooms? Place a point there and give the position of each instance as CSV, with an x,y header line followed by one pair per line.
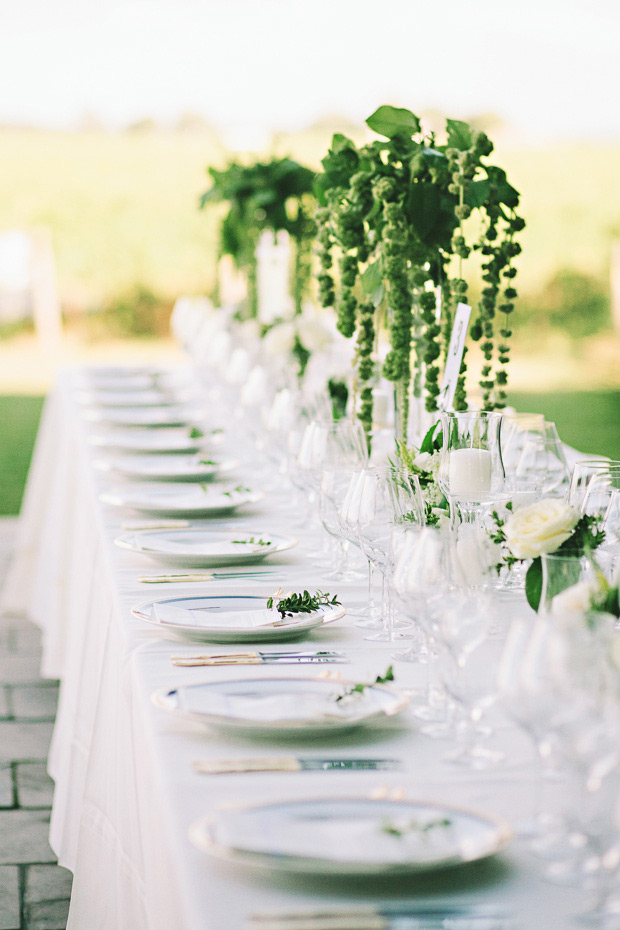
x,y
396,214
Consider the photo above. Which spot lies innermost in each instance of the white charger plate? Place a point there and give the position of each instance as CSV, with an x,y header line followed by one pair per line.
x,y
199,547
181,500
148,397
133,377
350,837
143,416
166,467
226,615
288,707
154,441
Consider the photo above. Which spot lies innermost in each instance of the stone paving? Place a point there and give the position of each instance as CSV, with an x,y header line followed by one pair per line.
x,y
34,890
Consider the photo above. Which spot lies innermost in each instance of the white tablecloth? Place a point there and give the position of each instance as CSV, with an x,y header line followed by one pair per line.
x,y
125,791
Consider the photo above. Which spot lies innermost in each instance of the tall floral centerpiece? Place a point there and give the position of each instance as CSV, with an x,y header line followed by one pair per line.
x,y
274,195
398,220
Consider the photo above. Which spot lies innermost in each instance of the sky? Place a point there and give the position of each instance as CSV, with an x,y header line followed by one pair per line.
x,y
549,68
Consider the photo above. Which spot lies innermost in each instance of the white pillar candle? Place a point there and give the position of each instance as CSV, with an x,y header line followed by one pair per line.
x,y
470,474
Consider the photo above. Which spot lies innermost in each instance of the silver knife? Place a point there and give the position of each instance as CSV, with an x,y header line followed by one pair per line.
x,y
291,764
413,918
201,576
261,658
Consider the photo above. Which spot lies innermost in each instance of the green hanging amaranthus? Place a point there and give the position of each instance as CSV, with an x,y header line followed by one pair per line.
x,y
393,236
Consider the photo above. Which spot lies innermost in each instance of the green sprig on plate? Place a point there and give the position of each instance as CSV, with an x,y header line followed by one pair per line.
x,y
304,603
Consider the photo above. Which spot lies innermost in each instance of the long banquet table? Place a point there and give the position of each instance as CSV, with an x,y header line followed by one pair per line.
x,y
125,791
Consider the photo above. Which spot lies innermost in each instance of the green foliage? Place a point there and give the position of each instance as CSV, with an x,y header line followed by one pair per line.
x,y
274,195
394,212
304,603
361,687
339,397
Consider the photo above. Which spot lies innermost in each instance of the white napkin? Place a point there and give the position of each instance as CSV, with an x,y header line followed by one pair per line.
x,y
349,839
267,708
215,619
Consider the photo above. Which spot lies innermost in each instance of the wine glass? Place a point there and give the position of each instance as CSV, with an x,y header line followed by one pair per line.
x,y
516,430
333,493
328,445
542,463
471,469
388,496
591,484
464,620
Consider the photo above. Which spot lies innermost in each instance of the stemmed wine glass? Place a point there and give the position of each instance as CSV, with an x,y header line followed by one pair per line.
x,y
329,446
542,463
389,496
592,484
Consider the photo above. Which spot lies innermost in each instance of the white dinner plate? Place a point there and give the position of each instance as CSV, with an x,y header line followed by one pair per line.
x,y
166,467
228,618
133,377
140,398
143,416
287,707
199,547
153,441
181,500
350,837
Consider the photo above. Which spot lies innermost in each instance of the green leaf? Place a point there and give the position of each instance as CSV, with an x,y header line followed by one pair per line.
x,y
340,143
506,193
430,443
477,193
459,134
533,584
372,282
424,206
393,121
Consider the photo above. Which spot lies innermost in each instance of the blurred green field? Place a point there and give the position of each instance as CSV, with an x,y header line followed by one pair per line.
x,y
587,420
19,419
123,210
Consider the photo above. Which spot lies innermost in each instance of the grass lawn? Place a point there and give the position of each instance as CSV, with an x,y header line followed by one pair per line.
x,y
19,419
587,420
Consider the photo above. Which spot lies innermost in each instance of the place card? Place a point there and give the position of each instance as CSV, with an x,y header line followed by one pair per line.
x,y
454,358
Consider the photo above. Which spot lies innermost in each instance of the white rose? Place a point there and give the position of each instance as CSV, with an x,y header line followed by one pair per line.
x,y
576,599
423,461
313,335
280,339
539,528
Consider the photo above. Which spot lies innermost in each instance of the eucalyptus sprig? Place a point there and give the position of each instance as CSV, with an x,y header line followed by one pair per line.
x,y
361,687
304,603
400,829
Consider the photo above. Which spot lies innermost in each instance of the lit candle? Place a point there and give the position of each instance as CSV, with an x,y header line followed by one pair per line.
x,y
470,474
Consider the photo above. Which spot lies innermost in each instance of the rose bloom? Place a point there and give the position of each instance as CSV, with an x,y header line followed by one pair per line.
x,y
542,527
579,598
